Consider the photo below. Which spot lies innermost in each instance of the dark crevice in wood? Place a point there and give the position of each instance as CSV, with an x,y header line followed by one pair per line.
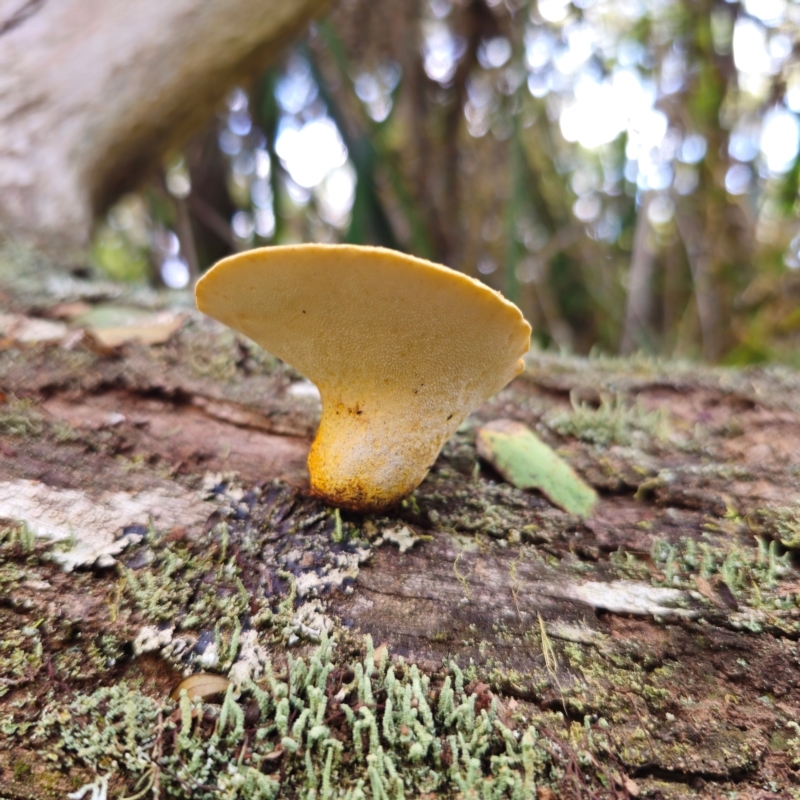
x,y
689,778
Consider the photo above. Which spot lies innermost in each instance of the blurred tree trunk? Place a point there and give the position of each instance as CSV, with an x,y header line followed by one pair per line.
x,y
91,94
210,201
717,236
637,333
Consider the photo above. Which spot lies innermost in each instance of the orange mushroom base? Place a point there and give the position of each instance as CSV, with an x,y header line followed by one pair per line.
x,y
366,458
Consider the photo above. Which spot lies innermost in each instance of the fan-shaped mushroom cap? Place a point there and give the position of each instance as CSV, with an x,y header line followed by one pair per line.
x,y
401,350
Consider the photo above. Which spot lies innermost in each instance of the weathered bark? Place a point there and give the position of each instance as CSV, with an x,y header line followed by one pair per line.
x,y
92,94
653,647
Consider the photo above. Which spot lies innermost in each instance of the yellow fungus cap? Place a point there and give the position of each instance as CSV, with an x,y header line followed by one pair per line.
x,y
401,350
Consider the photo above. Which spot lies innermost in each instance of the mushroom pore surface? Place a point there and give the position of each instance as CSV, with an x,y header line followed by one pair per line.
x,y
401,350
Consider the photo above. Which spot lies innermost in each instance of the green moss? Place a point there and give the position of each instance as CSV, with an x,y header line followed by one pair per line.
x,y
20,657
483,507
216,359
621,694
20,417
20,770
613,422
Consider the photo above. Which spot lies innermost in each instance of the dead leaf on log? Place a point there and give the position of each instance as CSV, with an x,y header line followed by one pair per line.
x,y
526,462
108,327
203,686
725,594
150,330
19,328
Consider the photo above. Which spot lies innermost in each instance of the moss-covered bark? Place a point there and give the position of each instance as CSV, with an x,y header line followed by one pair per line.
x,y
475,642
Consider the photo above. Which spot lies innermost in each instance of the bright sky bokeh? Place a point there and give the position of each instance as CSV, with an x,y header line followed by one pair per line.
x,y
559,67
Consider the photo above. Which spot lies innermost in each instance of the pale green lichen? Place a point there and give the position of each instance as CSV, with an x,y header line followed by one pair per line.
x,y
20,657
365,729
752,574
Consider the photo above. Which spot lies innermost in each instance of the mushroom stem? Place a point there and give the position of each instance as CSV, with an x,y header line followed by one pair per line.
x,y
366,460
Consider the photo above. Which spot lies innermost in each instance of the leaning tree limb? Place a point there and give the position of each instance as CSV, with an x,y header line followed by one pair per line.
x,y
91,94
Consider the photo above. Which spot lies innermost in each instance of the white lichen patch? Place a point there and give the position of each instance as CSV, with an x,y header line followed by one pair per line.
x,y
332,575
151,638
307,583
93,524
251,661
626,597
310,622
402,537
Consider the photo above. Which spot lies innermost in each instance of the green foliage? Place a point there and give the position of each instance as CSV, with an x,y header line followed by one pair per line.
x,y
118,257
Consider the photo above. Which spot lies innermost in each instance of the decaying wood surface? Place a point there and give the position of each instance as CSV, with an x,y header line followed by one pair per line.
x,y
93,94
664,627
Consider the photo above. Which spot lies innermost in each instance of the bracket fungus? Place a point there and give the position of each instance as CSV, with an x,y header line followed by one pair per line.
x,y
400,349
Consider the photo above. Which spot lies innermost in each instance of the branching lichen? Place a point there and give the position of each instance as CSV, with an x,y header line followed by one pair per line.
x,y
297,733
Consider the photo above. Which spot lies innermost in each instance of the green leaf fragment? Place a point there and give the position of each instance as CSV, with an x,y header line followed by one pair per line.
x,y
526,462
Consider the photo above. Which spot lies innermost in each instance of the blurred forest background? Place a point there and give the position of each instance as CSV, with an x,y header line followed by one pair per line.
x,y
626,171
